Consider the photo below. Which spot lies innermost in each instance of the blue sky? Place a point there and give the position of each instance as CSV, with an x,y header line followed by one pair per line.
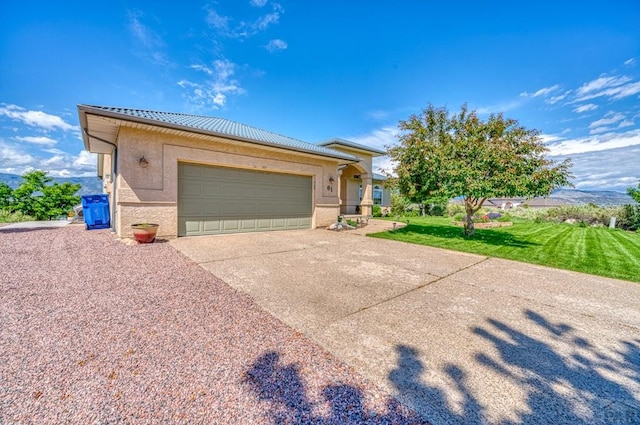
x,y
316,70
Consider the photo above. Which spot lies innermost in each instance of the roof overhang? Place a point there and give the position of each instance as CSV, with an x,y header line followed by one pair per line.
x,y
352,146
100,133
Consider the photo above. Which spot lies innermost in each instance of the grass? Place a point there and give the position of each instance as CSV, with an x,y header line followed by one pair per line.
x,y
595,250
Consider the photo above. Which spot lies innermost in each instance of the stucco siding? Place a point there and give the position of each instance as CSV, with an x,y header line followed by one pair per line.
x,y
150,194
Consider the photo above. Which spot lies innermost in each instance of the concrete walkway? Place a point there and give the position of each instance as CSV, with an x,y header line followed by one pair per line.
x,y
461,338
37,224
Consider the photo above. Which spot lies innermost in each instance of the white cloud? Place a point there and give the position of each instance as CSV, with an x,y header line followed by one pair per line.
x,y
585,108
594,170
11,157
213,92
609,118
615,88
380,138
223,24
85,160
545,91
270,18
601,83
150,44
141,32
625,123
202,68
38,140
275,45
630,62
555,99
258,3
38,119
217,21
60,164
594,143
541,92
551,138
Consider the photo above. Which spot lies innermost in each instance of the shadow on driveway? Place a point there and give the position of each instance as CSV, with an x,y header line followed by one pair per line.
x,y
588,386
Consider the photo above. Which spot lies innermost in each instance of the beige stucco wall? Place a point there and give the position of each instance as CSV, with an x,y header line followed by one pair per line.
x,y
151,194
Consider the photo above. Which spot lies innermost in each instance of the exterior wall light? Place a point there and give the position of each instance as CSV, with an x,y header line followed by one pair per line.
x,y
331,180
144,162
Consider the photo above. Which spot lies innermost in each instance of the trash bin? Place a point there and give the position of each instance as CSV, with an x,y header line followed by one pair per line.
x,y
95,209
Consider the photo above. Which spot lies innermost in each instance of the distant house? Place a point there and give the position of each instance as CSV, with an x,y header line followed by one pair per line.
x,y
508,203
537,202
197,175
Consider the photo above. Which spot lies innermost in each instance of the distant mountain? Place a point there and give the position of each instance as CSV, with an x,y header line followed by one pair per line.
x,y
598,197
89,185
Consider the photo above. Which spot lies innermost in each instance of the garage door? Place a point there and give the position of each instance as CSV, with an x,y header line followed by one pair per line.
x,y
227,200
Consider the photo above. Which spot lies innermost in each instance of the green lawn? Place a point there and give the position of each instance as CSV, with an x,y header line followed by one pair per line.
x,y
594,250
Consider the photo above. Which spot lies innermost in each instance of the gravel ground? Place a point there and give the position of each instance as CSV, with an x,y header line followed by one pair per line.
x,y
95,331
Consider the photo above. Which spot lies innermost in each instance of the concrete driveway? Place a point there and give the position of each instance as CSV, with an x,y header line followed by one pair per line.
x,y
461,338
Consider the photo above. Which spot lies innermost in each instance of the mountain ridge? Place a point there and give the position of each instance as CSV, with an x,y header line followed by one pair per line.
x,y
89,185
93,185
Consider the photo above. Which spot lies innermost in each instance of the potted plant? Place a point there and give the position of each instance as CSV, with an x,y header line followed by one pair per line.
x,y
145,232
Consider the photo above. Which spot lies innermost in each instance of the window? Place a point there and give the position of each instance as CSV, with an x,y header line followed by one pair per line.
x,y
377,194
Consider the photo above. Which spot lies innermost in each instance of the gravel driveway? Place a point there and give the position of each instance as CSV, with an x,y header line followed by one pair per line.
x,y
96,331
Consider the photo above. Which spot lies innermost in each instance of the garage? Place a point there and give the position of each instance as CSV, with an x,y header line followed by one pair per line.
x,y
213,200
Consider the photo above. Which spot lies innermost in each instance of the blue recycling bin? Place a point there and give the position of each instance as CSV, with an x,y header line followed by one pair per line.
x,y
95,209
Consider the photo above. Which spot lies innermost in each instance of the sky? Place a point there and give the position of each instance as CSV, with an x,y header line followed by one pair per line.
x,y
318,70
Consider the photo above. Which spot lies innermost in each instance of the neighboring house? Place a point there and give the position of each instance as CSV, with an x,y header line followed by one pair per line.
x,y
537,202
197,175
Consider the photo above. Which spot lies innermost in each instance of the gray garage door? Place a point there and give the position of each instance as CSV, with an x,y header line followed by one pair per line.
x,y
227,200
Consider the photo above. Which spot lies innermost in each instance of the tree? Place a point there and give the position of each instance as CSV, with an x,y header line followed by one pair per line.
x,y
6,196
37,198
59,198
460,155
634,193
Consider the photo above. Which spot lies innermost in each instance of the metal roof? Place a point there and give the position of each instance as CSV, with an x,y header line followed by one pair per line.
x,y
376,176
213,126
350,144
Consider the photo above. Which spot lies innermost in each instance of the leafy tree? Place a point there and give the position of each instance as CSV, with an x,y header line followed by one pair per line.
x,y
38,198
442,155
58,198
6,196
634,193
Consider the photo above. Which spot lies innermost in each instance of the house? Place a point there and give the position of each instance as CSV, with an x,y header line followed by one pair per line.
x,y
197,175
537,202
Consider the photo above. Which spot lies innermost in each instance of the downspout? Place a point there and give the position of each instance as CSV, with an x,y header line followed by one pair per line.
x,y
114,171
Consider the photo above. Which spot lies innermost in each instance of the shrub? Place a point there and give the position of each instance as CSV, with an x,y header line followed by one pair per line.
x,y
435,209
481,218
377,211
505,218
399,204
453,209
458,217
590,214
13,217
629,218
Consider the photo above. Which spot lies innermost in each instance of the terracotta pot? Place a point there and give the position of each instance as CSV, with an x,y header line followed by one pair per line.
x,y
145,232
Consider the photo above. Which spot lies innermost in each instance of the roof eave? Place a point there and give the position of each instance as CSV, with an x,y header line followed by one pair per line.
x,y
337,142
84,109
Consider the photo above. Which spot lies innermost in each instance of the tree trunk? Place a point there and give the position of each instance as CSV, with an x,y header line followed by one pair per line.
x,y
469,227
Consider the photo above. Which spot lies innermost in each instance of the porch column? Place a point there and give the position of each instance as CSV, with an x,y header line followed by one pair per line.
x,y
341,191
367,195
